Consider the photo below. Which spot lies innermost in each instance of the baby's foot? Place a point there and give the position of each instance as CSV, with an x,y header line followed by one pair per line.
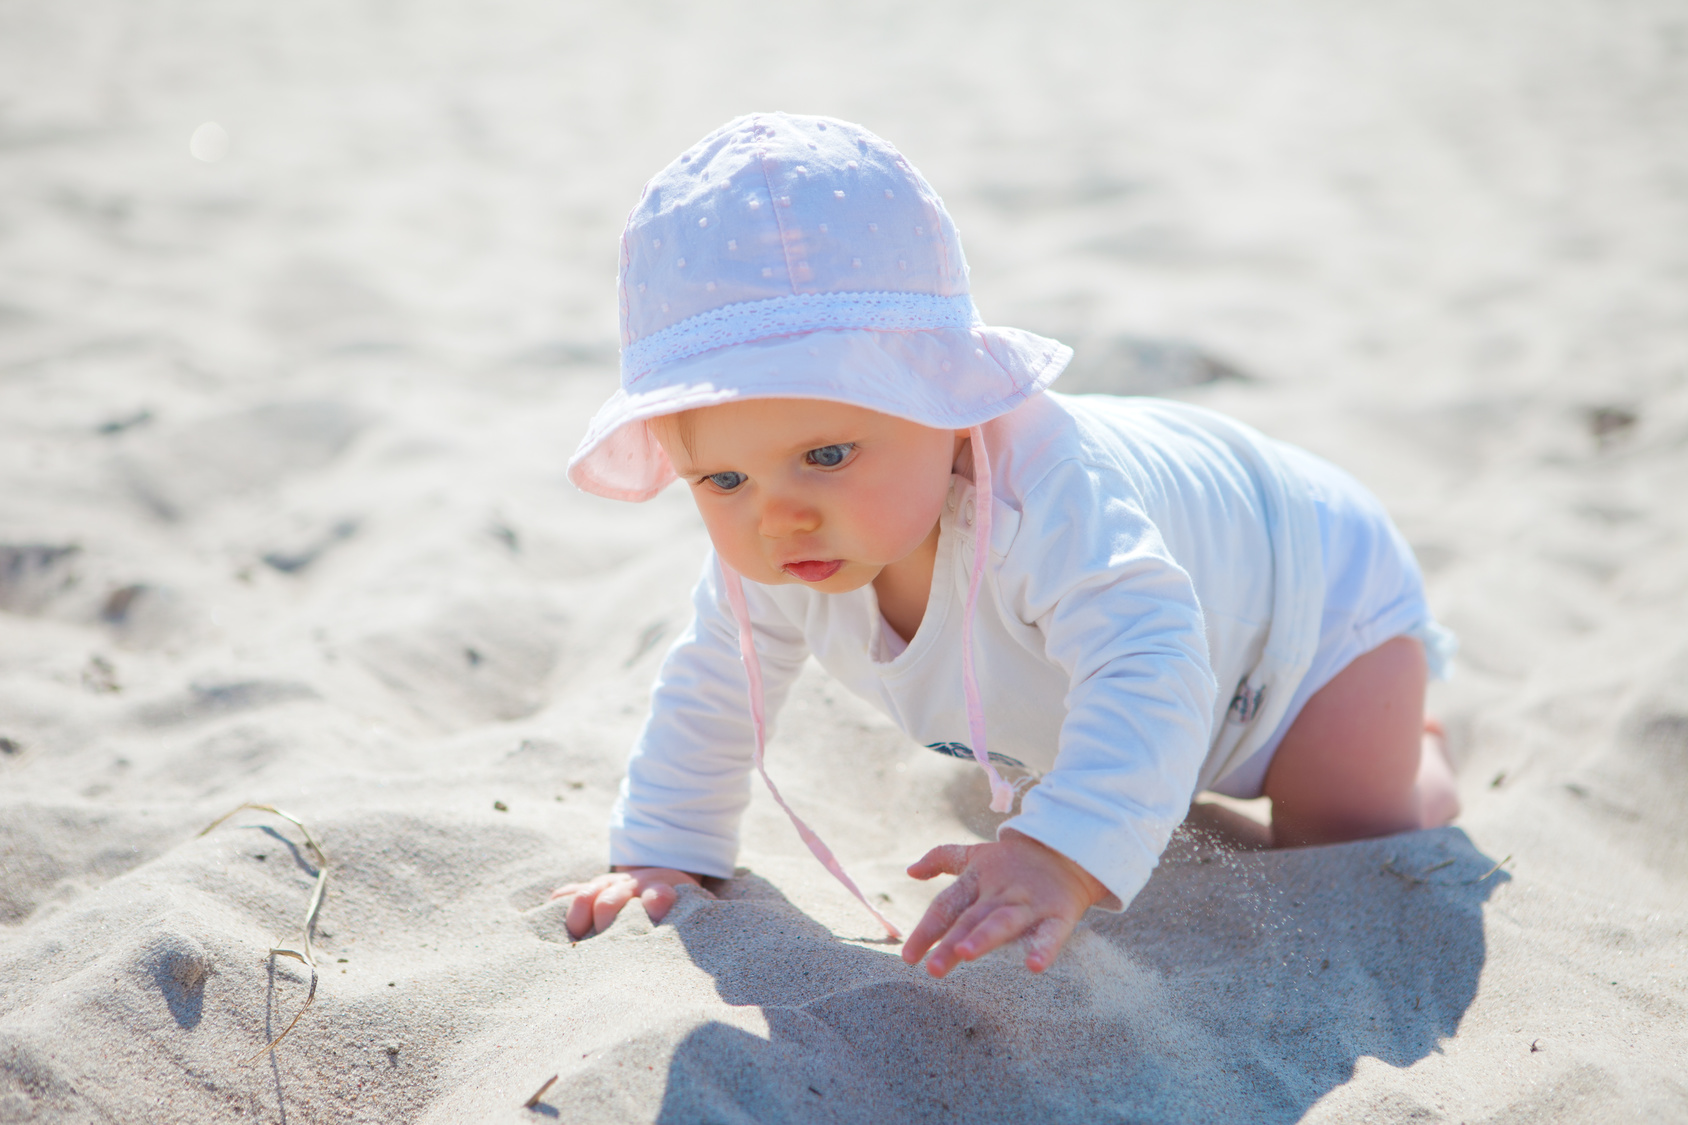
x,y
1438,797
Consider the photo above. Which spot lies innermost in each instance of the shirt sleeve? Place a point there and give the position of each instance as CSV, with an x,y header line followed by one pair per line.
x,y
1121,618
688,778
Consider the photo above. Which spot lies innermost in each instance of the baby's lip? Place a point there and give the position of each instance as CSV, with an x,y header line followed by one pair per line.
x,y
813,570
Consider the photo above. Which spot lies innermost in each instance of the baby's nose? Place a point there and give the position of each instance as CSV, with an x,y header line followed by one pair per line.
x,y
786,516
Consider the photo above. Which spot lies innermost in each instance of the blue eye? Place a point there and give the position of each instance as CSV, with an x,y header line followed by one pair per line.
x,y
726,482
829,456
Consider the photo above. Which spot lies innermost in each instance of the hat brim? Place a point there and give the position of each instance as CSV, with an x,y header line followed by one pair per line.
x,y
947,378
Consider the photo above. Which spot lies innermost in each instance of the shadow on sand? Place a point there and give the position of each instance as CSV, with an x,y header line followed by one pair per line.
x,y
1239,986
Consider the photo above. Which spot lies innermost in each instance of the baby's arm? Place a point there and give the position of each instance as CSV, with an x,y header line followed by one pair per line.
x,y
1013,888
1121,619
688,781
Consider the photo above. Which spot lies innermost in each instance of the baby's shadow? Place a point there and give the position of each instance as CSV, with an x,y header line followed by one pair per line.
x,y
1306,959
1236,979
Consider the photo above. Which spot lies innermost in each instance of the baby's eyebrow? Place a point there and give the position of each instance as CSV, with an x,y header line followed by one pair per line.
x,y
694,471
689,470
807,444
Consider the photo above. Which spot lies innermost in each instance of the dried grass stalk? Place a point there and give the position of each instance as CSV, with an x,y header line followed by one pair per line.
x,y
1420,879
308,957
1489,872
309,996
539,1093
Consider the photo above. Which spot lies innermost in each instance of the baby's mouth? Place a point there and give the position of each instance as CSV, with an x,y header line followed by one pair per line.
x,y
812,571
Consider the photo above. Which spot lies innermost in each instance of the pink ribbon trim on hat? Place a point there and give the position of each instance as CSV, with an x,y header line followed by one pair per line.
x,y
753,672
1002,795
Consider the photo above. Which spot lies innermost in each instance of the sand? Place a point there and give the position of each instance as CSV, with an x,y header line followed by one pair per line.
x,y
283,520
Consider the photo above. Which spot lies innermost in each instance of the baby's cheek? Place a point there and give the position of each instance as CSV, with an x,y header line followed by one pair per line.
x,y
898,516
739,546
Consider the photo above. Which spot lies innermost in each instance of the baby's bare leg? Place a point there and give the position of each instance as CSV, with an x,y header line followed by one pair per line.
x,y
1358,761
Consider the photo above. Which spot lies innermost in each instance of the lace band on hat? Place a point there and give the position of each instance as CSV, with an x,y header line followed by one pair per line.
x,y
748,321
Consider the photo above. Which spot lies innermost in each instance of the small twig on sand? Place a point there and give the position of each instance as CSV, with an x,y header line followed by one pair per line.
x,y
1389,868
1419,880
539,1093
1489,872
308,958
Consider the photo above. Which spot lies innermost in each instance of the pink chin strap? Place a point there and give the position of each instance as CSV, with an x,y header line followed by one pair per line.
x,y
1002,795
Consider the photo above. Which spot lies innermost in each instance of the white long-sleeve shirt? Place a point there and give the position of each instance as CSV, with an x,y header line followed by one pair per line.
x,y
1151,602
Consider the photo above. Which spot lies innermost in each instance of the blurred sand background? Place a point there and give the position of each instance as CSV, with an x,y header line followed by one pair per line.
x,y
283,519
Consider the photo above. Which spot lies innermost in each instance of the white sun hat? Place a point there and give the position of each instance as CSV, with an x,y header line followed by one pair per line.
x,y
797,257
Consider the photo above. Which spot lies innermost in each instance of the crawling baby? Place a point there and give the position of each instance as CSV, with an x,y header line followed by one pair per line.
x,y
1127,600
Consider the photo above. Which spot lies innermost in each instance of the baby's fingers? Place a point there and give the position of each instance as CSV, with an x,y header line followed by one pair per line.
x,y
999,927
942,860
1045,941
659,900
591,887
579,917
609,902
980,930
945,859
944,912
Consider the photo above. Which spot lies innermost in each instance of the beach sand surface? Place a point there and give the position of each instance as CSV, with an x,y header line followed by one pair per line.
x,y
284,408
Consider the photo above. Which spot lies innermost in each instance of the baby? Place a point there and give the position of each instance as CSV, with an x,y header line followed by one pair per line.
x,y
1121,602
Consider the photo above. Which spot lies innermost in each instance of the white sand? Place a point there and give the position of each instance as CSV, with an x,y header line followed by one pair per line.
x,y
326,557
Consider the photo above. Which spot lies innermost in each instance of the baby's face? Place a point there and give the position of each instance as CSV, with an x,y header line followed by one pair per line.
x,y
796,490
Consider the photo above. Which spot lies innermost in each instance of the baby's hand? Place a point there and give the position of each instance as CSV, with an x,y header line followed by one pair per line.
x,y
1013,888
598,901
